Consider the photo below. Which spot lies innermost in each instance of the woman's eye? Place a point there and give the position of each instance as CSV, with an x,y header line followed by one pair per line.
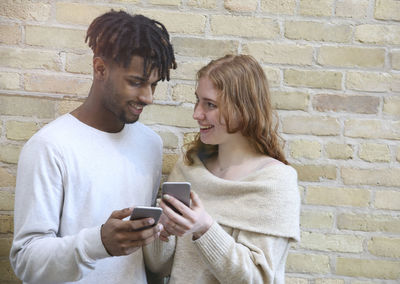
x,y
211,105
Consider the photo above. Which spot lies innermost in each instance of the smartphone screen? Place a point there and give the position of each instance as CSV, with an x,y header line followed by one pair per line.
x,y
179,190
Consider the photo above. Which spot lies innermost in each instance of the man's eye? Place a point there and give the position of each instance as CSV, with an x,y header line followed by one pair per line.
x,y
134,83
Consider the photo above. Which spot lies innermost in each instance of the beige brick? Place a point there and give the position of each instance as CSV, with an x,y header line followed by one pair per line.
x,y
78,13
184,93
280,53
339,151
313,79
369,223
178,22
244,26
169,161
372,129
387,10
204,47
79,63
355,9
344,56
187,70
315,172
314,125
6,200
316,8
7,275
346,103
381,246
307,263
305,149
9,153
66,106
161,92
387,199
289,100
57,84
21,130
126,1
273,76
379,34
6,178
372,81
170,140
10,34
372,152
329,281
338,196
9,81
6,224
329,242
55,37
314,31
391,106
395,59
316,219
206,4
166,2
5,246
30,59
25,10
240,6
368,268
293,280
287,7
398,154
376,177
362,282
168,115
26,106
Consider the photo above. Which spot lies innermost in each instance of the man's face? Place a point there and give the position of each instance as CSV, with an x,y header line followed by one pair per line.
x,y
127,90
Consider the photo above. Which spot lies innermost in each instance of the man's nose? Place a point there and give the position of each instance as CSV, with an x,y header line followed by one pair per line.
x,y
146,95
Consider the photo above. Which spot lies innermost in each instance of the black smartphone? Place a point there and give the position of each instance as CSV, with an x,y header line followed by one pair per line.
x,y
141,212
179,190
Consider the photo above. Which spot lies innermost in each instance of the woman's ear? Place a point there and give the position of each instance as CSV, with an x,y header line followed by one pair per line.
x,y
99,68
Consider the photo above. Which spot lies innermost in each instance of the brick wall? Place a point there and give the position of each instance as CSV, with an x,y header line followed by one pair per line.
x,y
334,71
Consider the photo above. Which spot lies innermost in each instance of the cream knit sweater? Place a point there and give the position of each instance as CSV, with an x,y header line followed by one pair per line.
x,y
255,219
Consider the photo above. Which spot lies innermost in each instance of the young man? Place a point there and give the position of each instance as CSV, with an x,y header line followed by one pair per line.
x,y
93,162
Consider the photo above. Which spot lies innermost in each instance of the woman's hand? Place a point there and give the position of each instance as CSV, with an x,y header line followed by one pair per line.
x,y
194,220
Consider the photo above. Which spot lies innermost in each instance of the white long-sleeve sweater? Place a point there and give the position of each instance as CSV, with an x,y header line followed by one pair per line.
x,y
70,178
255,220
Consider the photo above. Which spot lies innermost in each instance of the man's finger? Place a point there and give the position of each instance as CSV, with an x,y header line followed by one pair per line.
x,y
121,214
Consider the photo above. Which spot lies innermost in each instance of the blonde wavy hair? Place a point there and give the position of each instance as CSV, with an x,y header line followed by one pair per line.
x,y
243,101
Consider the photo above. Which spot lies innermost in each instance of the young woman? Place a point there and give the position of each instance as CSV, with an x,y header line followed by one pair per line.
x,y
245,202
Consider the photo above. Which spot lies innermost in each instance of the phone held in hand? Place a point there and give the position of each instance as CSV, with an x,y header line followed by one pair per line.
x,y
141,212
179,190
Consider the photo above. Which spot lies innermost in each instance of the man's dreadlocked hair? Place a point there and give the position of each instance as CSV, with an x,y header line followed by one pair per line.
x,y
119,36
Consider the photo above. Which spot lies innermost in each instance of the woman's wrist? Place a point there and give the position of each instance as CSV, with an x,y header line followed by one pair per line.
x,y
207,224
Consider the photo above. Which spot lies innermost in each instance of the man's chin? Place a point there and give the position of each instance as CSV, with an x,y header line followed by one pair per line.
x,y
130,120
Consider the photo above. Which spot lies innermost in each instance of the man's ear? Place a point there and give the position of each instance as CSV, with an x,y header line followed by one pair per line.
x,y
99,68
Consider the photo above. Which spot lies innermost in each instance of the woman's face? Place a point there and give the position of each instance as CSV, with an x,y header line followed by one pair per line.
x,y
212,130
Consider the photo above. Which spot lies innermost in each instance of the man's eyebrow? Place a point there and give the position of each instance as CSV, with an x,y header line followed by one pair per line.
x,y
143,79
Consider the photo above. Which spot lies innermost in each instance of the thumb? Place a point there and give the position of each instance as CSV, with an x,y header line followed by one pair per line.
x,y
121,214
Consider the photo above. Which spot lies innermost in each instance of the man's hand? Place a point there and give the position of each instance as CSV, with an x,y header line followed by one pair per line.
x,y
121,237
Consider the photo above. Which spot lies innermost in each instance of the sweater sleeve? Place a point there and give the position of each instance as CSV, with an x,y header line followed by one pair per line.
x,y
244,257
39,254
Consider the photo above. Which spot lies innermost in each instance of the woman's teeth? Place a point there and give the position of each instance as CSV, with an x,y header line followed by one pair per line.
x,y
205,127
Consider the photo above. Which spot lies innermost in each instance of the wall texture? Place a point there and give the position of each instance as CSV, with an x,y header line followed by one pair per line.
x,y
334,71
